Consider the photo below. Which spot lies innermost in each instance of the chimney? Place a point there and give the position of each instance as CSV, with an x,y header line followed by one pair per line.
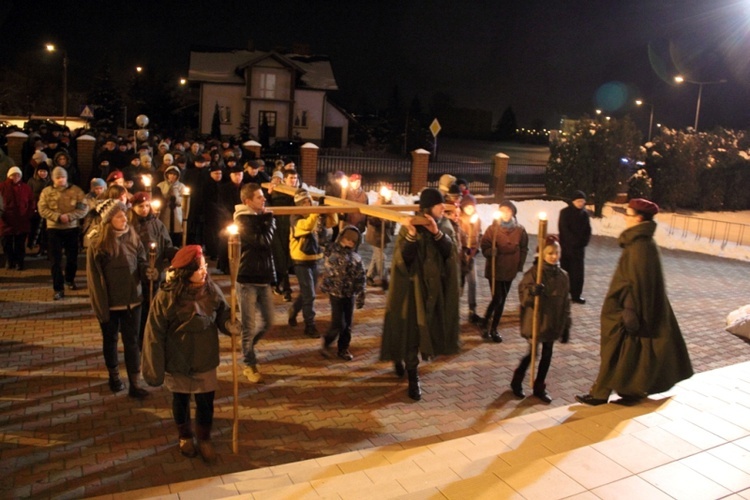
x,y
302,49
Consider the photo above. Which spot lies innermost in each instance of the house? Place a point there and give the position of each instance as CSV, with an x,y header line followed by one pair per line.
x,y
283,96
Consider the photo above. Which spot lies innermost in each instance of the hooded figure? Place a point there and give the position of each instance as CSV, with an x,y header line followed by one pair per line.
x,y
171,214
422,307
642,349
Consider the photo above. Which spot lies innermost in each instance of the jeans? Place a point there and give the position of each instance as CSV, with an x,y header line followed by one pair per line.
x,y
127,323
249,296
470,279
204,408
307,277
375,270
63,240
342,312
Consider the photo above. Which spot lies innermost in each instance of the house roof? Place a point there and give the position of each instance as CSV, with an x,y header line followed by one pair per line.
x,y
224,66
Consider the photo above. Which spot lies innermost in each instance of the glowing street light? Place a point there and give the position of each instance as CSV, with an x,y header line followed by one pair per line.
x,y
681,79
51,48
639,102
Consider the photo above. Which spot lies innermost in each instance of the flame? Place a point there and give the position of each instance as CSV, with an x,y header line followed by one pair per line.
x,y
233,229
474,218
542,216
146,180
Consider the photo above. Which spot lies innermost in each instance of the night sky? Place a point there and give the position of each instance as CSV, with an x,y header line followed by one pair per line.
x,y
543,58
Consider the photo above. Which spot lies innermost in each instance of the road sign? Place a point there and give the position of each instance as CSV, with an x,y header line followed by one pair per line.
x,y
87,112
435,127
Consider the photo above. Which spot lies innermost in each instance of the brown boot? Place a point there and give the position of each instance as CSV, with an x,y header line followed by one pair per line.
x,y
205,447
187,446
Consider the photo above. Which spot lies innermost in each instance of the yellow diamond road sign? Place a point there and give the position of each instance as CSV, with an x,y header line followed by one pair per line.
x,y
435,127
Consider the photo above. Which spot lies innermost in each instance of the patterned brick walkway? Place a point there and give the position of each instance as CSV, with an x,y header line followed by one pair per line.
x,y
63,434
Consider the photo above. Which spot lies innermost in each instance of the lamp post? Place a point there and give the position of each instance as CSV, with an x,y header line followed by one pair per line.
x,y
639,102
51,48
681,79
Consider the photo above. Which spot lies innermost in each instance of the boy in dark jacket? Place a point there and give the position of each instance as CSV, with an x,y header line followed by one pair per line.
x,y
345,284
256,271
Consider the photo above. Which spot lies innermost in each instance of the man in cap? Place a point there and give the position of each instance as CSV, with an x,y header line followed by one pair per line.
x,y
422,307
574,228
642,349
63,206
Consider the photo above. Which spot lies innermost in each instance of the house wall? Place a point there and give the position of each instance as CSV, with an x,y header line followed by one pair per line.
x,y
337,119
227,95
308,117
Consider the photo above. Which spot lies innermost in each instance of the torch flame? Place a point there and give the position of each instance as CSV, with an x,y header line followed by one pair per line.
x,y
146,180
497,215
233,229
474,218
153,245
155,205
186,192
542,216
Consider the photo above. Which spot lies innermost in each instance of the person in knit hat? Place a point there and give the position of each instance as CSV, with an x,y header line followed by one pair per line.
x,y
642,348
116,264
181,346
306,251
63,207
38,231
505,245
470,232
17,206
421,314
171,191
574,227
553,316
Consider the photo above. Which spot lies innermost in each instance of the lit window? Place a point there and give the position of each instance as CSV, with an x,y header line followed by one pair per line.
x,y
267,85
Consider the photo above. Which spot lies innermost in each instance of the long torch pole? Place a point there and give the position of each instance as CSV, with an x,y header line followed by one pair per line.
x,y
185,214
152,267
386,194
542,235
234,261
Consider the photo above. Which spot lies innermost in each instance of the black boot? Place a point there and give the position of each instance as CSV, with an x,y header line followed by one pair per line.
x,y
135,391
540,391
399,368
415,392
115,384
516,384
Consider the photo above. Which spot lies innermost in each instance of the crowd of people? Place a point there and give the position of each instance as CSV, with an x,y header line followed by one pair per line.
x,y
151,221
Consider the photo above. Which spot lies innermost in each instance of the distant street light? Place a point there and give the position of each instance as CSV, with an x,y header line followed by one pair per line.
x,y
51,48
639,102
681,79
183,81
139,69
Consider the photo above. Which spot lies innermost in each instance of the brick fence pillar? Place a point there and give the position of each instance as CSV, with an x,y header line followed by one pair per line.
x,y
15,147
86,146
254,148
309,160
499,174
420,161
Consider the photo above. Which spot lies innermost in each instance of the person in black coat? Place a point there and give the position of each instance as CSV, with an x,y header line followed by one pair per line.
x,y
255,273
574,228
229,197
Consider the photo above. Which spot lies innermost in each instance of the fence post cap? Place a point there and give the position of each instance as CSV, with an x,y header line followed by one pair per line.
x,y
501,155
309,145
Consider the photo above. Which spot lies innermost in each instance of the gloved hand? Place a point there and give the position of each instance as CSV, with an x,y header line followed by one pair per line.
x,y
233,328
152,273
359,302
537,289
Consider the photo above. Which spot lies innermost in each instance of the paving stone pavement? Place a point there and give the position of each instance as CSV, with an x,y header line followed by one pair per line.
x,y
63,434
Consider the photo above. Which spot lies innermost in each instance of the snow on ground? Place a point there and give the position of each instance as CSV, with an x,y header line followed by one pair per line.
x,y
612,224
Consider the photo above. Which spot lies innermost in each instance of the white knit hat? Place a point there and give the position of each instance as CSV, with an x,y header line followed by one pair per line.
x,y
106,208
14,170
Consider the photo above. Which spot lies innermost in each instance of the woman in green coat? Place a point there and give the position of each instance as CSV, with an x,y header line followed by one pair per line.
x,y
421,312
642,349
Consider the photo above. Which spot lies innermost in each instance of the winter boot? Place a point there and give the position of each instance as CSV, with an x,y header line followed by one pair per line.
x,y
399,368
415,392
187,446
516,384
115,384
540,391
205,447
135,391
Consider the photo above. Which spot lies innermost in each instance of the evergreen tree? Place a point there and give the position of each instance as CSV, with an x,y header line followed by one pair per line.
x,y
590,159
106,101
216,123
505,130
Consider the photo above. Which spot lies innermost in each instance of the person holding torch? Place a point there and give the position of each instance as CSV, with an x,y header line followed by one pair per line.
x,y
553,315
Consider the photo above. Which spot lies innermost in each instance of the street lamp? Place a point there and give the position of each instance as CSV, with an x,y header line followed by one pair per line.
x,y
639,102
51,48
681,79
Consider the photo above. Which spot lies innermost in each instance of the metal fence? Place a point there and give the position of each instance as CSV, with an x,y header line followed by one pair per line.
x,y
374,170
477,173
714,230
